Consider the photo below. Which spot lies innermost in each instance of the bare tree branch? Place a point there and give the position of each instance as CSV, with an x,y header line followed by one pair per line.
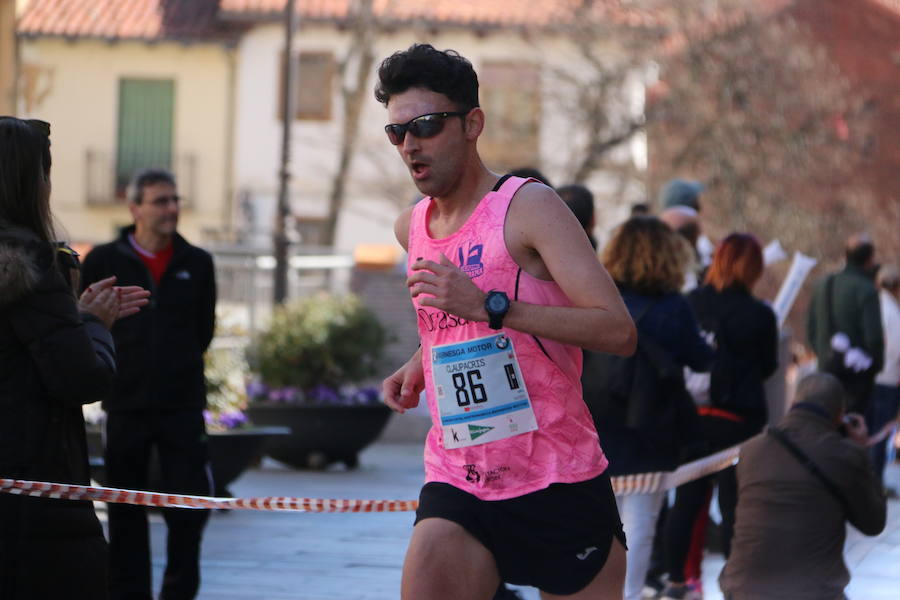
x,y
354,70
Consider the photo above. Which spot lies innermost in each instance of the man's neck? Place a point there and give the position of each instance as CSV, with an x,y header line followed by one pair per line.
x,y
475,182
150,241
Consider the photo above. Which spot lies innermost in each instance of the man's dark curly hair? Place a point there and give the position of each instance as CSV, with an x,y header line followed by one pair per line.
x,y
423,66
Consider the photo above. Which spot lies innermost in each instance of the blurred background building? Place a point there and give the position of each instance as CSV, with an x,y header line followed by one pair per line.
x,y
195,86
786,110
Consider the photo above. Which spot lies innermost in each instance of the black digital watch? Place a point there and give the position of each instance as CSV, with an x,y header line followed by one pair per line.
x,y
497,305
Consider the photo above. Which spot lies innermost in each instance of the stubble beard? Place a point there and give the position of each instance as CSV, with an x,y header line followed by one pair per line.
x,y
442,180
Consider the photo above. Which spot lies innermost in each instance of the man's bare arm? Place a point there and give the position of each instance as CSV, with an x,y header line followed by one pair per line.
x,y
401,227
401,389
599,319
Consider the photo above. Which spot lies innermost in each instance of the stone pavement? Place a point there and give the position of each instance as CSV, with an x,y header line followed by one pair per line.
x,y
250,555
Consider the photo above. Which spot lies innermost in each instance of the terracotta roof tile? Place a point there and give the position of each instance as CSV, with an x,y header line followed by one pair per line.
x,y
535,13
193,19
161,19
123,19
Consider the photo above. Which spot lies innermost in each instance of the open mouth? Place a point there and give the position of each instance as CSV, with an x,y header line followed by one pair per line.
x,y
419,169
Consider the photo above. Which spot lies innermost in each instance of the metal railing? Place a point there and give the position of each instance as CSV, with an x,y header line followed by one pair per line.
x,y
104,186
245,279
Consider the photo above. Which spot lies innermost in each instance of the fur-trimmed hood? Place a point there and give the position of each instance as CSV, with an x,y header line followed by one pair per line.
x,y
19,268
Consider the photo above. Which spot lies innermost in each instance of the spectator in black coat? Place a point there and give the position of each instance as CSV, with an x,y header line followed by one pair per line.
x,y
56,354
746,338
646,259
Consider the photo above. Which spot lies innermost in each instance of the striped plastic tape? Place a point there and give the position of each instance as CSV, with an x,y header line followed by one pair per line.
x,y
643,483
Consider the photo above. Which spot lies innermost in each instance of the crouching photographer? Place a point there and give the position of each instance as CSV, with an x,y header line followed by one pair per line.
x,y
798,485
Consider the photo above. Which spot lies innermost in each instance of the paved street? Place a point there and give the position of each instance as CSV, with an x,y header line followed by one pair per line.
x,y
292,556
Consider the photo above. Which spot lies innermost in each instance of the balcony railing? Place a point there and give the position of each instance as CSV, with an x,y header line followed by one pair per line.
x,y
104,186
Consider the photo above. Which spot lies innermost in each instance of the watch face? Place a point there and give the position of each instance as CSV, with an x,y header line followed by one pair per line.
x,y
497,303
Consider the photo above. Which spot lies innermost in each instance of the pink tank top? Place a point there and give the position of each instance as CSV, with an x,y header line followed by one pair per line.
x,y
564,447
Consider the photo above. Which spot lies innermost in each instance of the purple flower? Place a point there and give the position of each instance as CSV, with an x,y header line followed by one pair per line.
x,y
228,419
232,419
256,389
366,396
285,394
323,394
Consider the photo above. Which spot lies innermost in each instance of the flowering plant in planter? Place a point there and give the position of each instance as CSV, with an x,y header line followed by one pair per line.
x,y
226,397
307,369
314,350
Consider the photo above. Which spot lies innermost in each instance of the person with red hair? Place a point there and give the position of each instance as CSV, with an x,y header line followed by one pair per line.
x,y
745,334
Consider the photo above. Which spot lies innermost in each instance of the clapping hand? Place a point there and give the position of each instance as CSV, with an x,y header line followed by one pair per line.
x,y
110,303
133,298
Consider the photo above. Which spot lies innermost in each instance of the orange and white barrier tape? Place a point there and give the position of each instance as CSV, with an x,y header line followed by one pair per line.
x,y
648,483
105,494
643,483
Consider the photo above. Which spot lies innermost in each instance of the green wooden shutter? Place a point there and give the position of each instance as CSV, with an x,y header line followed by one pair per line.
x,y
145,127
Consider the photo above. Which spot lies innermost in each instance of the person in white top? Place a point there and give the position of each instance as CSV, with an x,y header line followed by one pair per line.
x,y
884,414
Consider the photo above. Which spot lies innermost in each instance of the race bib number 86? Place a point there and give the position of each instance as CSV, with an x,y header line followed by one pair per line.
x,y
480,391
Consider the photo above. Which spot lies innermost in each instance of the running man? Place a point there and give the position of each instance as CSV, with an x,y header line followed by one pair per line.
x,y
507,291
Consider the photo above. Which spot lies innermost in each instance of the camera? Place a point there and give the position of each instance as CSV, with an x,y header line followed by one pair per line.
x,y
849,420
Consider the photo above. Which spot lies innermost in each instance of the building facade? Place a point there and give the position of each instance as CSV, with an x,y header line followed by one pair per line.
x,y
195,85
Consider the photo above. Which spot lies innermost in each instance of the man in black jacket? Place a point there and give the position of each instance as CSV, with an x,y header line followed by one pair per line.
x,y
159,391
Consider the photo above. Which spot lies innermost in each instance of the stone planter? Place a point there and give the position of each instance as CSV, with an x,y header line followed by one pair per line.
x,y
232,452
320,434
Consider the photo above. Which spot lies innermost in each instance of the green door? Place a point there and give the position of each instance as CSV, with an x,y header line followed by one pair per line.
x,y
146,109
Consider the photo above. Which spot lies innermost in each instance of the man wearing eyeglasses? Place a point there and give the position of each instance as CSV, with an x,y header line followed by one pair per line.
x,y
507,290
159,393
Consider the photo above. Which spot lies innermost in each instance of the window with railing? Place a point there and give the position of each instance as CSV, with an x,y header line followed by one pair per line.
x,y
510,96
103,185
314,86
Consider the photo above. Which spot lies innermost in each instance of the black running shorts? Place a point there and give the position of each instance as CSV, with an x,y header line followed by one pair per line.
x,y
556,539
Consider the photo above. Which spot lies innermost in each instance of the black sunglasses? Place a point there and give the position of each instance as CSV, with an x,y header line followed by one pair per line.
x,y
42,127
165,200
423,126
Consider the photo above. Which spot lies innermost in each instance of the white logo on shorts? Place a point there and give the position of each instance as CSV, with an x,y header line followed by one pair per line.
x,y
586,553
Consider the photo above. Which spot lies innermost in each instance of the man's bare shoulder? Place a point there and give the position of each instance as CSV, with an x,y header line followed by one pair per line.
x,y
536,208
401,226
535,190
